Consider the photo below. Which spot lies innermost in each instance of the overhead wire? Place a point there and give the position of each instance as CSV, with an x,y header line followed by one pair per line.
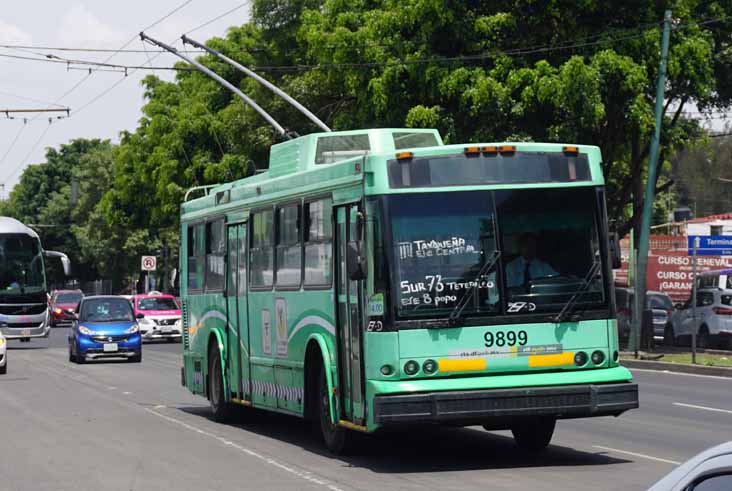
x,y
102,94
23,162
221,16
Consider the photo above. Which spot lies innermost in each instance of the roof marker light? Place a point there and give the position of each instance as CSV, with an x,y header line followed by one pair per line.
x,y
507,148
404,155
571,149
472,150
491,149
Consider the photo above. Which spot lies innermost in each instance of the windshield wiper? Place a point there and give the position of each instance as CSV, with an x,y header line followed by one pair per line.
x,y
586,282
457,312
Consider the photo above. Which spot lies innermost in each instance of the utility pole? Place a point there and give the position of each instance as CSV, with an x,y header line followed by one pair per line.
x,y
645,228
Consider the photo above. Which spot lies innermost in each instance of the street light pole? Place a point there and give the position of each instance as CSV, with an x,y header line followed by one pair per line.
x,y
645,228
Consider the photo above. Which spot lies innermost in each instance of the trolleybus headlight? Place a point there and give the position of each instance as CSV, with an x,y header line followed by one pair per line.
x,y
598,357
387,370
429,367
580,358
411,367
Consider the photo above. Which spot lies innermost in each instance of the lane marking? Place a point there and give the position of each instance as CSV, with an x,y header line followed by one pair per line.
x,y
302,475
693,406
668,372
643,456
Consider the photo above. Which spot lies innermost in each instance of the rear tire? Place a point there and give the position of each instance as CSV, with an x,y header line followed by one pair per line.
x,y
534,435
336,438
668,336
222,411
4,369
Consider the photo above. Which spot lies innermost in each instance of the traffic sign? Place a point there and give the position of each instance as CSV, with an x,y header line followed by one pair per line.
x,y
149,263
711,245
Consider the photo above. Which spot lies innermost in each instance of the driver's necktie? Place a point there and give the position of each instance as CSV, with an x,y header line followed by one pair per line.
x,y
527,274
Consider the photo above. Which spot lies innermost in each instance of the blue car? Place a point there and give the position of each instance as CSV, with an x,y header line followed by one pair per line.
x,y
105,327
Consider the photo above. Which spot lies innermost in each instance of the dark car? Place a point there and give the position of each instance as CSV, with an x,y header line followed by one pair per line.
x,y
106,327
61,302
659,302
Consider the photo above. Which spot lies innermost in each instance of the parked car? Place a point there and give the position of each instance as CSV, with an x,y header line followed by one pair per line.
x,y
162,316
61,302
711,470
659,302
3,355
713,320
105,327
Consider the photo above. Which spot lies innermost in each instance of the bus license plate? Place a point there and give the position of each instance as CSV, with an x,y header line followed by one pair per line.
x,y
110,347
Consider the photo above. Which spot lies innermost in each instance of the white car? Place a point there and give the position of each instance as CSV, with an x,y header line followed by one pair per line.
x,y
3,354
713,319
710,470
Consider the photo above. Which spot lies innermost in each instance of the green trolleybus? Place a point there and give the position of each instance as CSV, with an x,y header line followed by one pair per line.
x,y
378,278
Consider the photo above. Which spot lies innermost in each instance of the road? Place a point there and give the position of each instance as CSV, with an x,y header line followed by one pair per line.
x,y
132,426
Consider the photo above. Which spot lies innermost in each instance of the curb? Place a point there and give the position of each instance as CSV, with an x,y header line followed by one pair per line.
x,y
668,366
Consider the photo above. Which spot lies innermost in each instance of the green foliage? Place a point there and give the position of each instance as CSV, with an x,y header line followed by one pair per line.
x,y
554,70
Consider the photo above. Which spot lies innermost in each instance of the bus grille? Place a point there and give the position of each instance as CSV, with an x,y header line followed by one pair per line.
x,y
184,312
23,309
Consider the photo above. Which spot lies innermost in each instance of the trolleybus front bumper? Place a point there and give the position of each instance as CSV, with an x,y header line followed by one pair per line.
x,y
496,405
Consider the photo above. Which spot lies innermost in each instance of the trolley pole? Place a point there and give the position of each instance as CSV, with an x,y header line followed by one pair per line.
x,y
645,228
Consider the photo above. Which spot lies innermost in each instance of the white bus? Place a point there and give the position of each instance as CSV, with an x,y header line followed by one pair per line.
x,y
24,312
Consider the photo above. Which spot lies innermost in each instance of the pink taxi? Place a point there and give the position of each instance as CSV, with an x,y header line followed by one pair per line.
x,y
162,317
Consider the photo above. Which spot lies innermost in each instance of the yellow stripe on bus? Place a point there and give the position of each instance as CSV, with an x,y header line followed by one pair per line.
x,y
467,365
555,360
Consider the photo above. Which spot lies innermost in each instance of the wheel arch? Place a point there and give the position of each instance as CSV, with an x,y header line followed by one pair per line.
x,y
317,354
216,341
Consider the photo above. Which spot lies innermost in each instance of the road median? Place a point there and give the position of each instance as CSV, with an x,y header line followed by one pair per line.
x,y
676,367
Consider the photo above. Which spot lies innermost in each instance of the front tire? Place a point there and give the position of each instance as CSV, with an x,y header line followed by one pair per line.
x,y
72,357
221,409
535,434
336,438
4,369
136,358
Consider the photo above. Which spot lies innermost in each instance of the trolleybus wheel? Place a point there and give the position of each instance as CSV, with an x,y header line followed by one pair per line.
x,y
337,439
222,410
534,435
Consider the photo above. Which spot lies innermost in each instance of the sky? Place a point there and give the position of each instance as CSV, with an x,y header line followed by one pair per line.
x,y
103,24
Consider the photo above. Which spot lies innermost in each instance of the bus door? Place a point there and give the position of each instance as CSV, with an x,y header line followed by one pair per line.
x,y
348,318
236,305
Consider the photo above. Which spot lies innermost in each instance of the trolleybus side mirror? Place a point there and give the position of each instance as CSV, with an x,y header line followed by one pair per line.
x,y
615,250
356,262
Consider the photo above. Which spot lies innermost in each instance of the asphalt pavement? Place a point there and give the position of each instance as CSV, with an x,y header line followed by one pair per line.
x,y
116,425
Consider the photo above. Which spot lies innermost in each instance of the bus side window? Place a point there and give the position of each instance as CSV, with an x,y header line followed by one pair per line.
x,y
289,253
215,248
319,243
261,252
195,256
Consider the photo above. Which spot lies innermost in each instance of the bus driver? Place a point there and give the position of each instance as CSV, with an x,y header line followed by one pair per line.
x,y
527,266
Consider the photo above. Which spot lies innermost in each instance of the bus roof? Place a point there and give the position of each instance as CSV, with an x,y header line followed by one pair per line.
x,y
313,155
10,225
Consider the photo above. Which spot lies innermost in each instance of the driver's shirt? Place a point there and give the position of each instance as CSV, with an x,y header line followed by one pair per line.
x,y
537,269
